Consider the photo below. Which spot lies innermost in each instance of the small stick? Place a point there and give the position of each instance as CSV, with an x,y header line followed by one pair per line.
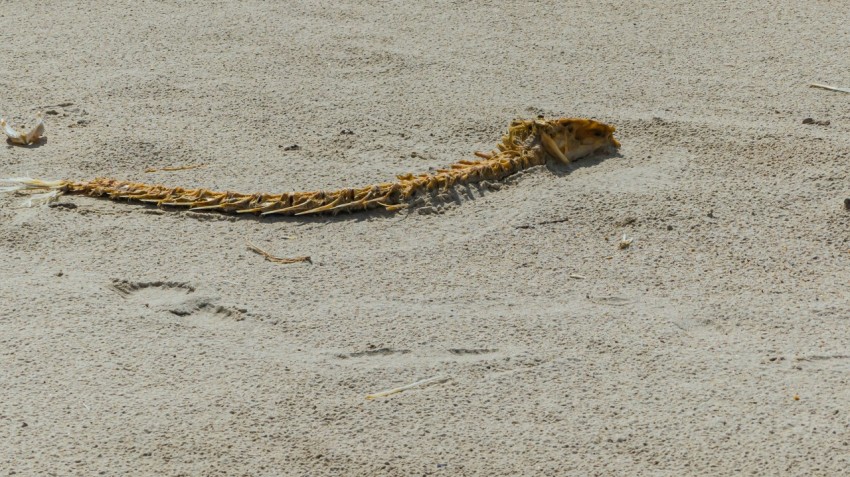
x,y
830,88
578,277
274,259
424,382
175,168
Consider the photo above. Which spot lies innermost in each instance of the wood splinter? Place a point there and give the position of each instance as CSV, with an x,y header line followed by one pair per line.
x,y
174,168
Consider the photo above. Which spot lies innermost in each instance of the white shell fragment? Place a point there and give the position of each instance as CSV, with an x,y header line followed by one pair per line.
x,y
20,139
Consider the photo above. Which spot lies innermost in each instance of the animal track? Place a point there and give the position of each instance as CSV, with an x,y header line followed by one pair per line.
x,y
128,288
173,297
818,357
72,115
611,300
201,307
463,351
391,351
373,352
839,363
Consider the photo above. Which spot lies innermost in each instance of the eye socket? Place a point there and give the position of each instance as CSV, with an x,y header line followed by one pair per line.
x,y
597,133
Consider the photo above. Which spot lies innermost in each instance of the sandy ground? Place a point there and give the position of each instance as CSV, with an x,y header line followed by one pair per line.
x,y
138,341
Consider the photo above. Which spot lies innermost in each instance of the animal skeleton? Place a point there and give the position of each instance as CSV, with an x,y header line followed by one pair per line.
x,y
527,144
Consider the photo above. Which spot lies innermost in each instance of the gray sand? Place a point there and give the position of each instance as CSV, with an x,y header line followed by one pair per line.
x,y
135,341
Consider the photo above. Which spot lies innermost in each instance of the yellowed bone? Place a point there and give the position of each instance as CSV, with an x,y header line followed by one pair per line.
x,y
528,143
552,148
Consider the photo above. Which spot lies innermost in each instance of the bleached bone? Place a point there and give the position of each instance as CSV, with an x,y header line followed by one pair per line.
x,y
21,139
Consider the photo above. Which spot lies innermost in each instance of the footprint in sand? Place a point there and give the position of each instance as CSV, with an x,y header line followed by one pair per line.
x,y
467,351
372,352
177,298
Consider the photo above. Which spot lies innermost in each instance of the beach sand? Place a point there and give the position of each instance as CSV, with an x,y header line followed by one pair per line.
x,y
140,341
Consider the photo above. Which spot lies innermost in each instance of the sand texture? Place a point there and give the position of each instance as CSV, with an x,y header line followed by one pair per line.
x,y
144,341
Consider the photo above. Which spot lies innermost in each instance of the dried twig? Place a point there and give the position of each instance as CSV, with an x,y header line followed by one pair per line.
x,y
274,259
830,88
424,382
175,168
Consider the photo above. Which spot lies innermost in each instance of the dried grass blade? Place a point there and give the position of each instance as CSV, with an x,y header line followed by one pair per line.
x,y
424,382
830,88
274,259
174,168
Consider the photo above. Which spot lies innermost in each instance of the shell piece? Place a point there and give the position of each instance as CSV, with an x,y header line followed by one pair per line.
x,y
32,137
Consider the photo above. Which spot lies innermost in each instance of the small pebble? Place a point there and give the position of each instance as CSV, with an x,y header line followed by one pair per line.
x,y
63,205
427,210
813,121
